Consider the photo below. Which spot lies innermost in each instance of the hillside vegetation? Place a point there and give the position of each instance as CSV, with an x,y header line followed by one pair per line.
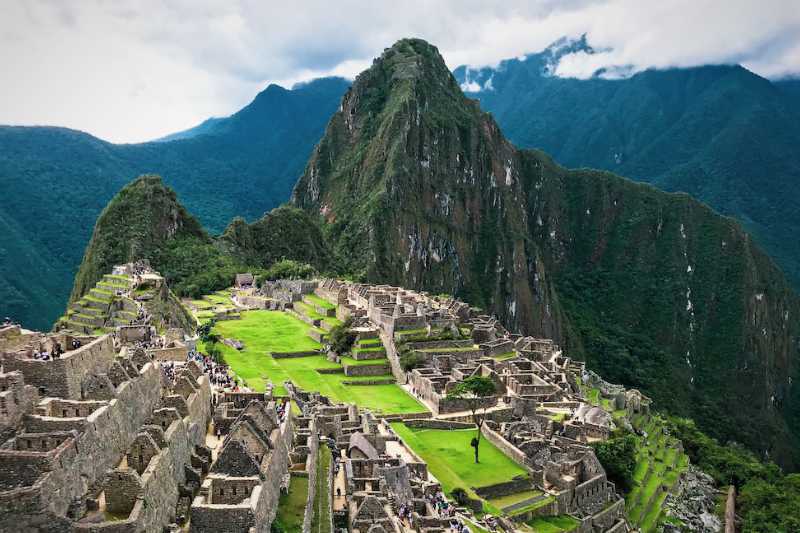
x,y
56,182
416,186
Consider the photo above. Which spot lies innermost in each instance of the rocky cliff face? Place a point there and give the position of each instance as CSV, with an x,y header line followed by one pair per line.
x,y
418,187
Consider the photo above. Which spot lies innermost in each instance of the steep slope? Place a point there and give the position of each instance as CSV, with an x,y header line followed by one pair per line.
x,y
283,233
145,220
56,182
721,133
138,223
417,186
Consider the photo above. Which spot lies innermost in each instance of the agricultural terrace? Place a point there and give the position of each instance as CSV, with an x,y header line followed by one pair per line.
x,y
264,332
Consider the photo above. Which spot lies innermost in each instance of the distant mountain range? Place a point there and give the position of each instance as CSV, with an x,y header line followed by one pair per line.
x,y
720,133
55,182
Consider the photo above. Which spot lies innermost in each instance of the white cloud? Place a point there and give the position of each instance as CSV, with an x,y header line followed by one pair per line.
x,y
132,70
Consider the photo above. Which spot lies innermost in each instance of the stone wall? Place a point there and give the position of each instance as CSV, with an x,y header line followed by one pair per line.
x,y
366,370
311,468
106,435
178,354
511,451
63,377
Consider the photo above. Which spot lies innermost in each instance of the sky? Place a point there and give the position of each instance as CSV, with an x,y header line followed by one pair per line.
x,y
135,70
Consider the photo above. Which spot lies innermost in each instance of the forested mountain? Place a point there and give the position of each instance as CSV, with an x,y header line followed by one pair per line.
x,y
56,181
720,133
416,186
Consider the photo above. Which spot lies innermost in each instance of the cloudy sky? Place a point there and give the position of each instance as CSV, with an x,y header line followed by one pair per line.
x,y
129,71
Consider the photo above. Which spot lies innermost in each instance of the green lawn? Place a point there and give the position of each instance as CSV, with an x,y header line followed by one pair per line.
x,y
451,459
292,506
311,312
553,524
274,331
368,343
505,501
322,302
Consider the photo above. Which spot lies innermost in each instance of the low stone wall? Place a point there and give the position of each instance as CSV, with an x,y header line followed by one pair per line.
x,y
335,370
289,355
511,451
371,355
366,370
438,424
387,381
317,335
498,490
178,354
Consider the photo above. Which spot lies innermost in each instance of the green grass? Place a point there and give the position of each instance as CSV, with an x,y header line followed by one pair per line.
x,y
658,464
363,362
292,506
275,331
504,356
511,499
451,460
552,524
367,343
312,313
322,302
322,517
533,506
369,348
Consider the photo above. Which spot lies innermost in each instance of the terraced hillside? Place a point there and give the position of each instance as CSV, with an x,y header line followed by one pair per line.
x,y
108,304
659,463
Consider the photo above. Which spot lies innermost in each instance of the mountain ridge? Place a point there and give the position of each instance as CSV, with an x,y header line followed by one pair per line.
x,y
58,180
718,132
416,186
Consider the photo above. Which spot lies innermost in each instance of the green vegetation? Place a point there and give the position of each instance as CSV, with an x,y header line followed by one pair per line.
x,y
59,180
287,269
658,465
474,390
618,456
768,499
292,506
263,332
635,278
552,524
505,501
341,338
322,515
450,460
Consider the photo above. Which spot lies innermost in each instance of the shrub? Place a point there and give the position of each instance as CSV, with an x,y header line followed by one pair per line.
x,y
411,360
287,269
341,338
618,457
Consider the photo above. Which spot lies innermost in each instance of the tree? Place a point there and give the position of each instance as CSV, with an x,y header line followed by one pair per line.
x,y
475,389
618,457
341,338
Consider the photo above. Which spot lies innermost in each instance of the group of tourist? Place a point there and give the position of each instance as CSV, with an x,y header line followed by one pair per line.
x,y
217,373
8,322
44,355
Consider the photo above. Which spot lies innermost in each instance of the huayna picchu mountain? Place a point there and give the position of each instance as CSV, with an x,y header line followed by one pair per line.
x,y
416,186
